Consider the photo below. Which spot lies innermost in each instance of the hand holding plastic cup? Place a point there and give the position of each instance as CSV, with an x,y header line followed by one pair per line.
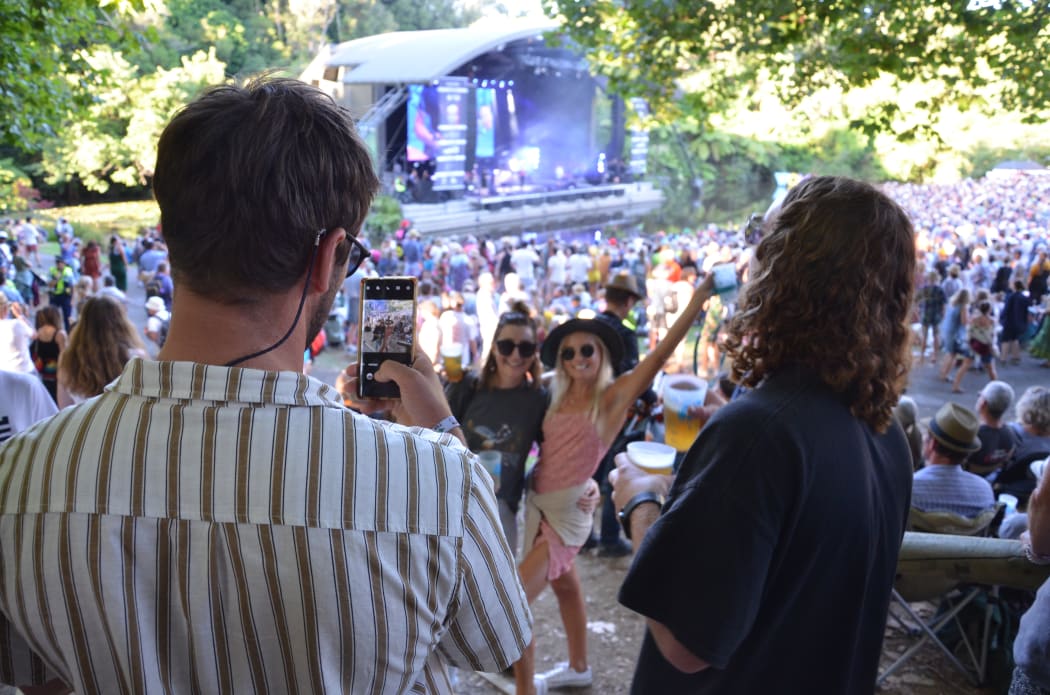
x,y
652,457
452,357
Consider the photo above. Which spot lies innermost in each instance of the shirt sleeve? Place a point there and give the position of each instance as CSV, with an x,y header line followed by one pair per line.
x,y
41,404
702,567
490,623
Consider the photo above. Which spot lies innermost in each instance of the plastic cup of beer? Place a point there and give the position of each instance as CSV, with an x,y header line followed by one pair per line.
x,y
682,392
492,461
452,358
652,457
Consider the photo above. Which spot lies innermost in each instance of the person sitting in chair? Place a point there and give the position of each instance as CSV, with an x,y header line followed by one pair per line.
x,y
942,485
998,441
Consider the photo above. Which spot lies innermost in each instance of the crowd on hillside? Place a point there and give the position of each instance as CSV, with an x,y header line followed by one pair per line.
x,y
982,236
982,247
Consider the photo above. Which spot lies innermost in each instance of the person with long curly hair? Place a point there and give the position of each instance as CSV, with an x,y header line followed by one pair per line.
x,y
102,342
774,556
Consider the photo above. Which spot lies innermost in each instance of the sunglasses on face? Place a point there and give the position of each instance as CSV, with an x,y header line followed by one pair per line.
x,y
358,254
525,348
569,354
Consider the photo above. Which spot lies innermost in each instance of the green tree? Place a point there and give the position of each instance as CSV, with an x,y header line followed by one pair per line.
x,y
649,47
367,17
114,141
40,42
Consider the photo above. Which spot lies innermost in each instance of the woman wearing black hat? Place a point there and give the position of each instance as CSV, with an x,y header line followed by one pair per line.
x,y
588,408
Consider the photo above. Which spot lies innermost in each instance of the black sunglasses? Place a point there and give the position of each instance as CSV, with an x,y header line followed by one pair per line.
x,y
569,354
358,254
525,347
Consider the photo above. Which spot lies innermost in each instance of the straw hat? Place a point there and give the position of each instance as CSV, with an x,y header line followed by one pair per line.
x,y
955,427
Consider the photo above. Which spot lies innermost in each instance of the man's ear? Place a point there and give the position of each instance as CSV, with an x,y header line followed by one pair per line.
x,y
327,259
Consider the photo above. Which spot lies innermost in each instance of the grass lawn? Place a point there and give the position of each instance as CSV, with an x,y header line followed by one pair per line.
x,y
102,219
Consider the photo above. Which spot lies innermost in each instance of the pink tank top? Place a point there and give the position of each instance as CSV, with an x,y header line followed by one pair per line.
x,y
570,453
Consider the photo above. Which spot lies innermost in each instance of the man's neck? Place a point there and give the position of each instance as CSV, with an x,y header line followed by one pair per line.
x,y
619,311
214,333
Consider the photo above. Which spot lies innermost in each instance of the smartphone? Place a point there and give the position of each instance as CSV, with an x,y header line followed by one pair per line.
x,y
387,331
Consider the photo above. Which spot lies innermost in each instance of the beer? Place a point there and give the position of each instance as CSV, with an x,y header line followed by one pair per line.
x,y
452,357
680,394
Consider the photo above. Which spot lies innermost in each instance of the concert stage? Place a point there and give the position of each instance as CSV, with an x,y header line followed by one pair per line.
x,y
536,212
505,108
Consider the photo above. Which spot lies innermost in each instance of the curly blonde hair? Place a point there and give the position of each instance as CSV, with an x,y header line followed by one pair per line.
x,y
831,291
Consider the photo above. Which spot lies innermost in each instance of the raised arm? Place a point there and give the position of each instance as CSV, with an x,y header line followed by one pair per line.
x,y
630,385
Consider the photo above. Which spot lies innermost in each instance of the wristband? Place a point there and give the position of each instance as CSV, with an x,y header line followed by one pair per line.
x,y
640,498
446,425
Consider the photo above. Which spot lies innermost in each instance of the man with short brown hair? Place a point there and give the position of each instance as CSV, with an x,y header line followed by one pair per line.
x,y
216,521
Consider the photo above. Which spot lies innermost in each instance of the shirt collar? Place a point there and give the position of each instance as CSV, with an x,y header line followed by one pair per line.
x,y
194,381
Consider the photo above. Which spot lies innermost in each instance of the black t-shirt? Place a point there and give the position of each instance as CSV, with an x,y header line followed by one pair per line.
x,y
775,555
504,420
997,447
630,342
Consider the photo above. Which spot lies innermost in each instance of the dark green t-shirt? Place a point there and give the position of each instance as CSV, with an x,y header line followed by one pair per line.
x,y
504,420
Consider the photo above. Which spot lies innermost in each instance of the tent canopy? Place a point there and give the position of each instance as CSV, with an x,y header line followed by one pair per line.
x,y
416,57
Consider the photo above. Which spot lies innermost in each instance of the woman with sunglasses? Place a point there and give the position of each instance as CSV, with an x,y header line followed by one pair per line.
x,y
588,408
502,408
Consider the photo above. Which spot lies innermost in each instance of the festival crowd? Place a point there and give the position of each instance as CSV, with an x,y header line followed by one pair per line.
x,y
263,532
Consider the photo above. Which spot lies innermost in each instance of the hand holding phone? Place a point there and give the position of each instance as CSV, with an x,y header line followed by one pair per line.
x,y
387,332
423,400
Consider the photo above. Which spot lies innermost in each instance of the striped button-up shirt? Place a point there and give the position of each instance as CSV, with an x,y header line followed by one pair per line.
x,y
198,529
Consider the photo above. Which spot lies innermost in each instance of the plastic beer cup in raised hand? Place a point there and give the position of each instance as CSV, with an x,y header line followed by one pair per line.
x,y
452,358
682,392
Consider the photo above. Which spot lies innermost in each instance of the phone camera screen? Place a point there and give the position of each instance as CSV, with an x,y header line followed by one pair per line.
x,y
387,332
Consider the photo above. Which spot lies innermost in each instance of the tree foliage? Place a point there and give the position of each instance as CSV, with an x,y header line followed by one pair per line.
x,y
648,47
41,41
114,140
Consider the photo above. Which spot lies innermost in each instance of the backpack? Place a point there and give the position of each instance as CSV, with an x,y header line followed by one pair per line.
x,y
153,288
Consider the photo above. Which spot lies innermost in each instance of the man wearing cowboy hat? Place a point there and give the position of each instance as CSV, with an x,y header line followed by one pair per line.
x,y
621,295
943,485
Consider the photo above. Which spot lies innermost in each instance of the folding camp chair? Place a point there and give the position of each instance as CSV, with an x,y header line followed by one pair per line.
x,y
951,593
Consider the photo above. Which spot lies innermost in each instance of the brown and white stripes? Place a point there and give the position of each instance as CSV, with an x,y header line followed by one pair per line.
x,y
200,529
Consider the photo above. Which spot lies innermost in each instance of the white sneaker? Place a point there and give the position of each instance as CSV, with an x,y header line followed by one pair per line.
x,y
562,676
540,685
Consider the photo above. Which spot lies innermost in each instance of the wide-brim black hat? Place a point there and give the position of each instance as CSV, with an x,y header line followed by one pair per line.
x,y
606,333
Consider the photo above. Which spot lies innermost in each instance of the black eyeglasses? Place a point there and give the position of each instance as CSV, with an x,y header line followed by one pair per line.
x,y
569,354
358,252
525,348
